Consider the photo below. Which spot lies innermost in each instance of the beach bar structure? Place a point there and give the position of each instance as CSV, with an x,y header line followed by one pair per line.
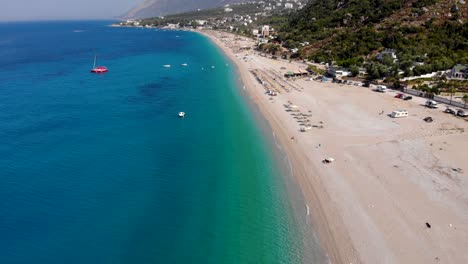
x,y
299,73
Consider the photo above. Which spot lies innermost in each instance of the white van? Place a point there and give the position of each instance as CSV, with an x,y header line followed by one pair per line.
x,y
399,113
432,104
381,88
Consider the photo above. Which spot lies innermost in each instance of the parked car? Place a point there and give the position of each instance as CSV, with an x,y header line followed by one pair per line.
x,y
399,95
407,98
450,111
462,113
428,119
431,104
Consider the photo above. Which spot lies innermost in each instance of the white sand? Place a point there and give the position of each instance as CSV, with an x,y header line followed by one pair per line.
x,y
390,176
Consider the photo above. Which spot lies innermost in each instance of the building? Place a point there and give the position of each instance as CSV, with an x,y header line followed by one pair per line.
x,y
338,72
266,31
227,9
200,22
459,72
390,52
362,72
288,6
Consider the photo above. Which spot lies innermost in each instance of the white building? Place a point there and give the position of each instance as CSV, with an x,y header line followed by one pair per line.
x,y
227,9
266,31
288,6
338,72
201,22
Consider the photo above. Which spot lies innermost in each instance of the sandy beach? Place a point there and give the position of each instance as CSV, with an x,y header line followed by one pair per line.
x,y
397,189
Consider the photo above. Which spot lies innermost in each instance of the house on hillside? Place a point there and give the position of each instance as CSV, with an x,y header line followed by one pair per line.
x,y
338,72
362,72
200,22
390,52
459,72
266,31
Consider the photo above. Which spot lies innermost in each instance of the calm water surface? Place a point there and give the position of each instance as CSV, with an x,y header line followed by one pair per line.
x,y
99,168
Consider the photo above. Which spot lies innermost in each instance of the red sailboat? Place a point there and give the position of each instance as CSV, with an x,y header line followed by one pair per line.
x,y
98,69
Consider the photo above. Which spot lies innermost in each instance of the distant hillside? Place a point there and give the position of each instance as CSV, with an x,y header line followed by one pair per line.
x,y
432,33
154,8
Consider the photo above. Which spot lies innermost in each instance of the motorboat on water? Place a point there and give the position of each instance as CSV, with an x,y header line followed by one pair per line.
x,y
167,66
184,64
181,114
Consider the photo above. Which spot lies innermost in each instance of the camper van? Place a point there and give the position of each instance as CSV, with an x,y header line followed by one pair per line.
x,y
381,88
431,104
399,113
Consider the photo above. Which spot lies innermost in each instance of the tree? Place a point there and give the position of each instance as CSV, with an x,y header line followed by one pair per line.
x,y
274,49
354,70
452,90
387,60
424,87
435,90
465,99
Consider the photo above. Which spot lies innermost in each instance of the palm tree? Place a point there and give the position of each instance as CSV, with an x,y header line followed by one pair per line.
x,y
451,89
465,99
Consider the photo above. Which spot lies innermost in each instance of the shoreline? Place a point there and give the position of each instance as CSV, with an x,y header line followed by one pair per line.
x,y
390,178
313,251
320,225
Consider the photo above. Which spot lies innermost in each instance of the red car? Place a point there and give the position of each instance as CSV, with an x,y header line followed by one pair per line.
x,y
399,95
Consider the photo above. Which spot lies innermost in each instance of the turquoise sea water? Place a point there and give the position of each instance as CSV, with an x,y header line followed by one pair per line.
x,y
99,168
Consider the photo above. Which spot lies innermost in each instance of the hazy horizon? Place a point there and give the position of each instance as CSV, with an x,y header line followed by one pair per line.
x,y
27,10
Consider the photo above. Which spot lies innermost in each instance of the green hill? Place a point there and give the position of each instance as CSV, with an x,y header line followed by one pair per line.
x,y
431,34
153,8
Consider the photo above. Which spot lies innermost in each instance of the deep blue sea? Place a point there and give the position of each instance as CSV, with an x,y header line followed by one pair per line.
x,y
100,169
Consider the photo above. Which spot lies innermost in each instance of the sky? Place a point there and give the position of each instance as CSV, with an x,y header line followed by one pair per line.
x,y
14,10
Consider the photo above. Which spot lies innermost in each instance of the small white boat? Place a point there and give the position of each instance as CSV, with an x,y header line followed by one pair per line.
x,y
184,64
167,66
181,114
